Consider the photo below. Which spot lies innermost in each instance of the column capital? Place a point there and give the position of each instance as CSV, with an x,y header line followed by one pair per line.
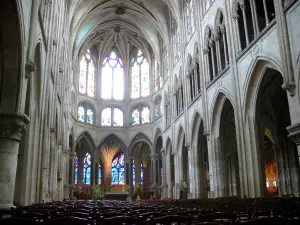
x,y
188,146
73,154
13,125
153,157
66,151
162,151
127,159
29,68
205,51
294,133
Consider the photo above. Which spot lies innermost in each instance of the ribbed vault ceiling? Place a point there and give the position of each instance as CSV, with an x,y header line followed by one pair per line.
x,y
121,25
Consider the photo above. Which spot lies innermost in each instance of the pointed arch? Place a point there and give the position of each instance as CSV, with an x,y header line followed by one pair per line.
x,y
86,135
208,34
195,123
217,107
180,137
254,77
113,138
158,134
140,137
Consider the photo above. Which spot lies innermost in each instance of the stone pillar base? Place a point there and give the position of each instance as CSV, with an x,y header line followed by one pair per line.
x,y
12,127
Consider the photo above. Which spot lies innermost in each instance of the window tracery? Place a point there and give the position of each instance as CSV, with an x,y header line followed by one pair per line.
x,y
99,174
251,18
190,18
87,169
85,113
112,77
157,76
112,117
87,75
140,115
140,76
117,172
76,170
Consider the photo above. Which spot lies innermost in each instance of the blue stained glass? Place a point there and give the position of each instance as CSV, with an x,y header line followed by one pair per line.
x,y
99,174
117,172
142,174
87,169
90,116
76,170
133,172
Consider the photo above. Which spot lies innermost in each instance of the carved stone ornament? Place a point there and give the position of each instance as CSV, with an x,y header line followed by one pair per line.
x,y
13,126
289,86
117,29
120,11
29,68
294,133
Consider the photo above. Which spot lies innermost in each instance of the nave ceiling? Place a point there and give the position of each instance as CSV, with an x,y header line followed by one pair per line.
x,y
121,25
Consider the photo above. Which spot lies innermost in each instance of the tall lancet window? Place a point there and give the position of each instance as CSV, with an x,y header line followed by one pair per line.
x,y
87,75
140,76
190,18
117,171
76,170
112,81
87,163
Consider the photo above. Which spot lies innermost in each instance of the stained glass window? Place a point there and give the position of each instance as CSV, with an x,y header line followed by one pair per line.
x,y
145,115
85,113
91,79
82,76
99,174
112,82
135,117
81,113
190,26
157,76
117,171
87,169
140,76
76,170
118,118
133,172
112,117
141,115
166,66
106,117
87,75
157,111
90,116
142,174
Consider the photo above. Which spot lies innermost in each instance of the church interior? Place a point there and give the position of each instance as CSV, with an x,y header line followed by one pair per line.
x,y
153,105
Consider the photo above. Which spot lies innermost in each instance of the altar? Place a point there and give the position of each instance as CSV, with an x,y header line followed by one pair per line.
x,y
121,196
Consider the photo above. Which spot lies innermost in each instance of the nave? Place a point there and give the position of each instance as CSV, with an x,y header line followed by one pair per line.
x,y
232,211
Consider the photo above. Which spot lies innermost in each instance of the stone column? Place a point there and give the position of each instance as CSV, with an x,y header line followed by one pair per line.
x,y
211,45
72,175
254,17
245,24
189,86
223,33
128,176
285,48
218,52
294,134
266,13
168,175
206,61
137,171
154,172
12,127
164,182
